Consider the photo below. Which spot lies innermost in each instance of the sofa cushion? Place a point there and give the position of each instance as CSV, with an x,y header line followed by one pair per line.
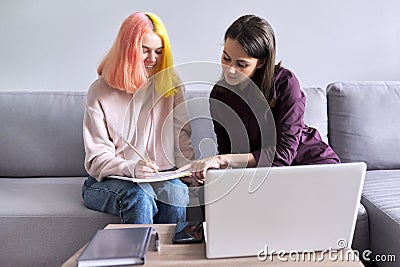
x,y
41,134
50,196
203,137
316,114
381,197
361,231
43,221
364,124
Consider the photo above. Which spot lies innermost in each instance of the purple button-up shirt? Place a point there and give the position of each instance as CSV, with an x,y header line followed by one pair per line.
x,y
276,136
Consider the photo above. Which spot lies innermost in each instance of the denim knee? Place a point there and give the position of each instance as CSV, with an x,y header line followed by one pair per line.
x,y
173,192
121,198
138,206
98,197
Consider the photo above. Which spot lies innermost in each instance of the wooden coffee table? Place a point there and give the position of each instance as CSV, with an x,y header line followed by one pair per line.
x,y
194,254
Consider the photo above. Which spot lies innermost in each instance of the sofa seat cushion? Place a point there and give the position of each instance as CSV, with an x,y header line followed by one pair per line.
x,y
43,221
381,197
43,197
361,231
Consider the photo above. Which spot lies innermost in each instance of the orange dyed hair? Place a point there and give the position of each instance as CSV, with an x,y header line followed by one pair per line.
x,y
123,67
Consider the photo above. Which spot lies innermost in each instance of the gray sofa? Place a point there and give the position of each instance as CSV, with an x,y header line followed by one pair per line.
x,y
364,125
43,220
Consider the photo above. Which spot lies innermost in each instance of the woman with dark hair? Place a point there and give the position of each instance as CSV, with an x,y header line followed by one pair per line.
x,y
258,108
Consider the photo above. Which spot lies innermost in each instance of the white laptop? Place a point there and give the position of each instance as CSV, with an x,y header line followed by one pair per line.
x,y
281,209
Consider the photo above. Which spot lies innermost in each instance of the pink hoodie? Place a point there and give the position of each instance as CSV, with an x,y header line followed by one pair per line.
x,y
158,127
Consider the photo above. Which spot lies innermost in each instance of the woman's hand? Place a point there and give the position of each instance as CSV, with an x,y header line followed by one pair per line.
x,y
145,169
200,167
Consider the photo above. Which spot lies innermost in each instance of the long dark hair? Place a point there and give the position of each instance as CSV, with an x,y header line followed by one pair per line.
x,y
257,37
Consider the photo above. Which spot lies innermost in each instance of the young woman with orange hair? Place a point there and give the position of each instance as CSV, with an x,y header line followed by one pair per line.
x,y
137,99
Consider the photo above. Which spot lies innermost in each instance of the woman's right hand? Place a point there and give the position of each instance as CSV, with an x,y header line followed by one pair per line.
x,y
200,167
145,169
223,161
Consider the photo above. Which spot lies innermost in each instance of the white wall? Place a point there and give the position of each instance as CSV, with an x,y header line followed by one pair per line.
x,y
56,45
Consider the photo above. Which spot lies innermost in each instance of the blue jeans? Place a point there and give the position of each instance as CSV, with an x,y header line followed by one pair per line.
x,y
144,203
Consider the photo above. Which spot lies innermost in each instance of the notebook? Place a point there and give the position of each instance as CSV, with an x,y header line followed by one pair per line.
x,y
158,177
281,209
113,247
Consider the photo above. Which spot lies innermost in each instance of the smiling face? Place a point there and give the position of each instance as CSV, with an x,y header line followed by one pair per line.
x,y
152,52
237,65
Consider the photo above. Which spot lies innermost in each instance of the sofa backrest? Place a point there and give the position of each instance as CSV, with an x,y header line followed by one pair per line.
x,y
41,134
316,114
203,136
364,123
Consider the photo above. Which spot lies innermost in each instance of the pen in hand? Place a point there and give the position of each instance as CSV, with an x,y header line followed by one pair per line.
x,y
139,154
